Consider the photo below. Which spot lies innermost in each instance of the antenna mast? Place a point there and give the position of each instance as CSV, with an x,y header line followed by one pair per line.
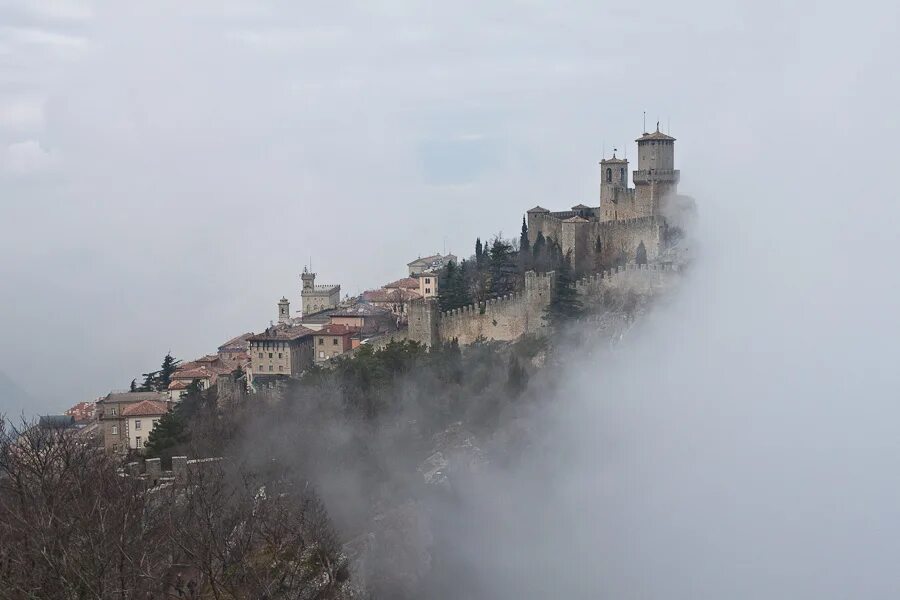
x,y
645,121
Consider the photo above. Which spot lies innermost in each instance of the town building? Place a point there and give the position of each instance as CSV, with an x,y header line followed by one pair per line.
x,y
113,423
280,351
83,411
332,341
317,297
366,319
427,284
140,419
236,349
435,262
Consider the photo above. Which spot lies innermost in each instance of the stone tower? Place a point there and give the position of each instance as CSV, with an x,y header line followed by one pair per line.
x,y
284,310
309,280
614,197
656,178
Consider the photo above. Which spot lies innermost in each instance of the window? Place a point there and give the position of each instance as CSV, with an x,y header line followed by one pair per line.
x,y
137,424
113,411
279,355
427,280
281,367
334,341
622,174
115,430
270,355
260,354
608,175
321,341
427,290
271,368
138,442
321,354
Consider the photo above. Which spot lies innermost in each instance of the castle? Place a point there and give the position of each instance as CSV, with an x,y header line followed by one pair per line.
x,y
627,218
626,241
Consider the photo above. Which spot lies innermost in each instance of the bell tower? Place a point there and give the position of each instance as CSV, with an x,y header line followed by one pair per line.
x,y
284,310
614,188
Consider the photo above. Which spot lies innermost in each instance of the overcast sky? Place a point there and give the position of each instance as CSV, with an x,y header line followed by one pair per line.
x,y
167,168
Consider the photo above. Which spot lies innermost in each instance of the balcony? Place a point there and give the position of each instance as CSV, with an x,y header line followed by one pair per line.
x,y
656,176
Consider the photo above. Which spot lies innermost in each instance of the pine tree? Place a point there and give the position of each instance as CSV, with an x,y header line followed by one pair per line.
x,y
133,387
565,304
169,365
641,254
150,380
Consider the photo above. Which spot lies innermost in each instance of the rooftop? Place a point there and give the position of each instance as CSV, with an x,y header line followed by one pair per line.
x,y
656,135
335,330
410,283
132,397
613,160
146,408
433,259
282,334
238,343
538,209
394,295
362,310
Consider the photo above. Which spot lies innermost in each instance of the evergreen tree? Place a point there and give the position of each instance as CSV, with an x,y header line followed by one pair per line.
x,y
539,253
454,292
524,244
133,387
169,365
479,254
641,254
502,267
149,384
565,304
598,255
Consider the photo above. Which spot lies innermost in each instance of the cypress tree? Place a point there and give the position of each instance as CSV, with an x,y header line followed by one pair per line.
x,y
133,387
641,254
565,304
524,244
598,255
169,365
502,268
479,253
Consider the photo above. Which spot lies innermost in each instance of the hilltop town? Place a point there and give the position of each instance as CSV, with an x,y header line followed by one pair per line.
x,y
632,241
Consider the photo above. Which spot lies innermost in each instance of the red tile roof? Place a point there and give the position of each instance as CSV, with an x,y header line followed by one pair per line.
x,y
408,283
335,330
281,334
146,408
395,295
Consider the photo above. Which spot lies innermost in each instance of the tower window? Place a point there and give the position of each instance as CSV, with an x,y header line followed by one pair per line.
x,y
622,175
608,175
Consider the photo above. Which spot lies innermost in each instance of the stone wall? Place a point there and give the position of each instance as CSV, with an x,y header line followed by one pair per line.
x,y
643,279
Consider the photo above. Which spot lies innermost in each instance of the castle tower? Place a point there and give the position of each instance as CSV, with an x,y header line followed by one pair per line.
x,y
614,197
284,311
309,279
656,178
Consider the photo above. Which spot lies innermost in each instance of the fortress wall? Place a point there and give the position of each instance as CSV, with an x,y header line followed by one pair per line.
x,y
547,223
643,279
623,237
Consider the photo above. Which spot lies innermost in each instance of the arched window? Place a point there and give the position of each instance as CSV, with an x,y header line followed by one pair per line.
x,y
608,175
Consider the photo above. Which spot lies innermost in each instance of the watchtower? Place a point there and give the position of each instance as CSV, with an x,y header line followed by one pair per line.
x,y
613,188
656,177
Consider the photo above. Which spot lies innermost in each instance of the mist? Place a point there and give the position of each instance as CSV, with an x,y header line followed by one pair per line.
x,y
741,442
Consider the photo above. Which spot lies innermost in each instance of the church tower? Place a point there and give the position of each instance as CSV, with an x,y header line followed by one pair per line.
x,y
614,197
656,178
284,310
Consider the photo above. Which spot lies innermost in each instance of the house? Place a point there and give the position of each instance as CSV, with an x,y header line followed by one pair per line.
x,y
427,284
397,300
332,341
434,262
366,319
140,419
83,411
280,351
236,348
112,422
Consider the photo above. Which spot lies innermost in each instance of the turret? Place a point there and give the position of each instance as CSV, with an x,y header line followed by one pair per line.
x,y
309,279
